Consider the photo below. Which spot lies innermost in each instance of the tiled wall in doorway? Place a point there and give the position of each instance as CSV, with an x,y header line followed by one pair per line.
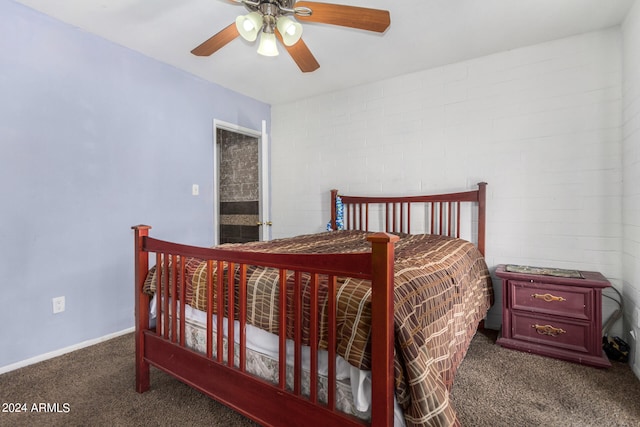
x,y
239,187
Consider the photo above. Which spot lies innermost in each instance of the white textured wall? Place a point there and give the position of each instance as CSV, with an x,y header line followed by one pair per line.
x,y
541,124
631,172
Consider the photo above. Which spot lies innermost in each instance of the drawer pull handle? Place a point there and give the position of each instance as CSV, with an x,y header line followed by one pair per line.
x,y
548,297
548,330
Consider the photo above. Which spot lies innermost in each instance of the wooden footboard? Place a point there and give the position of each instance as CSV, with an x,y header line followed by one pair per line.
x,y
218,376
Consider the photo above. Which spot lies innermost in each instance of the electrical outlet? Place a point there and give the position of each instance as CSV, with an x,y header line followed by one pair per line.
x,y
58,305
637,317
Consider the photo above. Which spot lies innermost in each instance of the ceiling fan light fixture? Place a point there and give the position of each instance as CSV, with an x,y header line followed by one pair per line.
x,y
271,18
249,25
268,45
290,30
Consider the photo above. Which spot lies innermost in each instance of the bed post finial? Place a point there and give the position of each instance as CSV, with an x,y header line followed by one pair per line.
x,y
334,198
141,305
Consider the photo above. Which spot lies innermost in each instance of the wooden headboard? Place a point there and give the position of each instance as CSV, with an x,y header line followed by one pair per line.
x,y
442,212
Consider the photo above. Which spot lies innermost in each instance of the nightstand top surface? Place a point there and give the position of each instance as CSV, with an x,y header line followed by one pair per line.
x,y
552,275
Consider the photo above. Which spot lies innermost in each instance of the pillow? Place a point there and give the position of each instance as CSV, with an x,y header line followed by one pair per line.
x,y
149,286
195,282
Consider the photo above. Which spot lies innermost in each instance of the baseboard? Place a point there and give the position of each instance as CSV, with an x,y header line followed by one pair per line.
x,y
636,370
56,353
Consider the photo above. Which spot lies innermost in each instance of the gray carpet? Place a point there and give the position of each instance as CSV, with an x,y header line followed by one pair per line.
x,y
501,387
494,387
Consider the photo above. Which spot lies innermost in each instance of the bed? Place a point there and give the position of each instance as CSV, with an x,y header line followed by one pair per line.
x,y
373,322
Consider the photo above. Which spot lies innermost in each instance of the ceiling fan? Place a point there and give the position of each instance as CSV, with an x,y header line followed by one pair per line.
x,y
270,19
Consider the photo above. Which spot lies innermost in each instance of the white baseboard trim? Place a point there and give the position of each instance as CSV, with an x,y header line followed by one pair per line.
x,y
56,353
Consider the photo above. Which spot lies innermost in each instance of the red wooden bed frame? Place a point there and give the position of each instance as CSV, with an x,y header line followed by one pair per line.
x,y
274,404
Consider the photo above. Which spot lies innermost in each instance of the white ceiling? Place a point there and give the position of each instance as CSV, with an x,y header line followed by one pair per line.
x,y
423,34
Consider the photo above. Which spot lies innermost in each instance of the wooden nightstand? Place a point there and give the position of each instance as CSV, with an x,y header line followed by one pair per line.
x,y
552,312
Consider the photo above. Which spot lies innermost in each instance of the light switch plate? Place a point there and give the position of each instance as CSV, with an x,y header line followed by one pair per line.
x,y
58,305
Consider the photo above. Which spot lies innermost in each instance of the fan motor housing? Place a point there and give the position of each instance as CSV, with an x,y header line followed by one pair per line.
x,y
271,7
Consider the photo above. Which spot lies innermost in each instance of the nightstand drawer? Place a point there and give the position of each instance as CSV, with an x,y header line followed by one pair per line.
x,y
553,312
567,301
550,331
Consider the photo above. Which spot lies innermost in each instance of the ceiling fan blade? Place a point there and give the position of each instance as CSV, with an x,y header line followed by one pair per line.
x,y
346,16
301,55
217,41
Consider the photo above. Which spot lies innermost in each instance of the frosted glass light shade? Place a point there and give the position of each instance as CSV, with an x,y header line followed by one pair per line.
x,y
268,45
249,25
290,30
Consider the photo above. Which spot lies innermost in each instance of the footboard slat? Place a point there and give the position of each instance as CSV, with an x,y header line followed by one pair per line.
x,y
282,333
159,293
242,296
210,309
183,293
165,288
297,337
174,299
313,336
230,315
331,315
219,309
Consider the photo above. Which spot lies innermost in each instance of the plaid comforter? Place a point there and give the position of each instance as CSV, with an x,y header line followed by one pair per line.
x,y
442,290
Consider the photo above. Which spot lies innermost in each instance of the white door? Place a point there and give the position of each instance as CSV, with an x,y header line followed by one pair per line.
x,y
241,209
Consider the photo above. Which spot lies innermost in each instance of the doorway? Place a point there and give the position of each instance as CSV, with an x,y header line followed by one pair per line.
x,y
241,203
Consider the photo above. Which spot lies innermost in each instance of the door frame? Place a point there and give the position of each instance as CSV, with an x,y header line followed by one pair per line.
x,y
263,171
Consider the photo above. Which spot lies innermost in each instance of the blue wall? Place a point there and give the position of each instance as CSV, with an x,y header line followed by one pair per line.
x,y
94,138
